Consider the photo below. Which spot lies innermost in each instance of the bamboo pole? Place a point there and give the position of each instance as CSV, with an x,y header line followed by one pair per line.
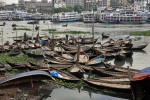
x,y
32,32
2,35
93,21
78,54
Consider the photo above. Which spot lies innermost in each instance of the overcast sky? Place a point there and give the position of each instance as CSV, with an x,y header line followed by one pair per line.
x,y
14,1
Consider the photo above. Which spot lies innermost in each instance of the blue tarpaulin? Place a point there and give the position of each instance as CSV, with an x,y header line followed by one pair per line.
x,y
145,70
54,73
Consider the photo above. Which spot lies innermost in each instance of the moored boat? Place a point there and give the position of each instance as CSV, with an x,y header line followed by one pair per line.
x,y
76,70
113,85
30,76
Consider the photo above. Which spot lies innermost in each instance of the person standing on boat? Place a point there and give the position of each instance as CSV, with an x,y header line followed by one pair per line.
x,y
25,38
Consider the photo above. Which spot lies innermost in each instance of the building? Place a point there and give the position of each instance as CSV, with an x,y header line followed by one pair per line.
x,y
72,3
118,3
59,4
2,4
103,3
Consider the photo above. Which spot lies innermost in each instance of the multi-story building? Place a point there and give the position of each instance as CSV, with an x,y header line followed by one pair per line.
x,y
2,4
72,3
118,3
59,3
97,3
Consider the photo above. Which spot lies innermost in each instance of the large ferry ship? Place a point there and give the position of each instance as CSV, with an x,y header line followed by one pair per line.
x,y
3,15
88,18
65,17
122,18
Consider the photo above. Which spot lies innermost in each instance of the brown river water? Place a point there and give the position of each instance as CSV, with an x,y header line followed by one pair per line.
x,y
139,60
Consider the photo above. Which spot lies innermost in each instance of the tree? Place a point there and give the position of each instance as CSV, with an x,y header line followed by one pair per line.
x,y
78,8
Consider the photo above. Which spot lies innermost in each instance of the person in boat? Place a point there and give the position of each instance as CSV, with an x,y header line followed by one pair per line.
x,y
37,28
25,38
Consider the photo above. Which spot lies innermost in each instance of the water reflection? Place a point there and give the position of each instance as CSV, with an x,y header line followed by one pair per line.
x,y
84,94
125,62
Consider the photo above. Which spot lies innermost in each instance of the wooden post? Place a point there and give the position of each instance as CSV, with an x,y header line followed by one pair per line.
x,y
32,32
78,54
93,22
129,74
32,83
52,41
16,34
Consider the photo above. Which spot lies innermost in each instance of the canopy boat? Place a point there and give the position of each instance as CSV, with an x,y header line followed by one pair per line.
x,y
30,76
95,61
140,84
76,70
113,85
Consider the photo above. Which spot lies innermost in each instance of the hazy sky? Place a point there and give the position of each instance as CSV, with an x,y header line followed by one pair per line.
x,y
14,1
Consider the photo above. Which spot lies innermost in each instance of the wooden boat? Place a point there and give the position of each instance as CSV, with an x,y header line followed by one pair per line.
x,y
31,76
16,65
60,67
127,53
58,48
83,58
140,84
113,85
95,61
14,25
86,68
46,67
120,56
119,68
14,52
98,45
34,53
87,41
65,25
2,65
67,55
63,75
33,22
62,59
109,72
104,36
55,61
114,79
77,70
3,24
139,47
17,40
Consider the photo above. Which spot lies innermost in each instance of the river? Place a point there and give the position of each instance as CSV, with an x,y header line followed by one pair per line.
x,y
139,60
